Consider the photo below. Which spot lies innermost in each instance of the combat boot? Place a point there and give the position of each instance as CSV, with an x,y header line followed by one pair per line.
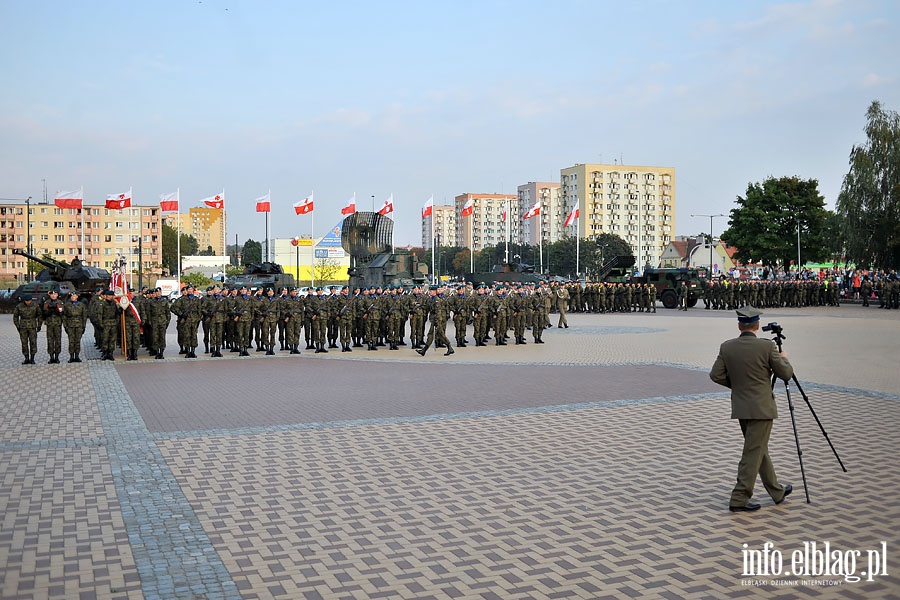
x,y
206,345
449,350
71,358
421,351
271,350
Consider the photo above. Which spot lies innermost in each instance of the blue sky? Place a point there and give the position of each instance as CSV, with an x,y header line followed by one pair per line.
x,y
421,98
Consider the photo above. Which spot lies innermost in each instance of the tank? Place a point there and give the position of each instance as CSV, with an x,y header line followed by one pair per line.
x,y
85,280
366,237
266,274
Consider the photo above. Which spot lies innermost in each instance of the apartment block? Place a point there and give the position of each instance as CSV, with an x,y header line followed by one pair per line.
x,y
444,219
548,226
105,235
637,203
206,225
485,226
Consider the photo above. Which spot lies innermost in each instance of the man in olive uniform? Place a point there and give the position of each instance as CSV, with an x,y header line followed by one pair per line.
x,y
681,292
480,310
52,312
74,320
372,316
108,315
216,311
518,302
416,307
460,307
159,309
268,311
242,316
746,365
27,317
438,313
538,306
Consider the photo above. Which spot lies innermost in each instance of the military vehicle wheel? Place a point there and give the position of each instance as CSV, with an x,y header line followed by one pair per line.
x,y
692,303
669,299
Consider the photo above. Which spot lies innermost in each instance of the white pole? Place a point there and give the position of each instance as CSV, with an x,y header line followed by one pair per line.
x,y
178,242
506,224
472,241
130,244
577,244
432,236
82,224
312,235
268,247
224,237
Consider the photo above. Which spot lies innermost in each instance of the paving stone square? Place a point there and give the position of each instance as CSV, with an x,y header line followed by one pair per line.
x,y
597,465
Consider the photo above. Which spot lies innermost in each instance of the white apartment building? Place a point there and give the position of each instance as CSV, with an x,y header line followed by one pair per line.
x,y
444,218
485,226
549,224
636,203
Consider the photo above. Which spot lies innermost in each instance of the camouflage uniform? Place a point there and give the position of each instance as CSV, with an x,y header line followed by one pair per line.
x,y
52,311
27,318
74,320
437,311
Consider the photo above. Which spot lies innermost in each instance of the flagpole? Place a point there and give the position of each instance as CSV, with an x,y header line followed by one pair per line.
x,y
224,238
577,244
82,224
471,242
432,236
178,243
506,223
130,248
312,235
392,229
269,250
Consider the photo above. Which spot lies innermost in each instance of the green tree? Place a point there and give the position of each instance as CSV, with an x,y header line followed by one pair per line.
x,y
251,253
170,247
328,270
869,202
610,245
461,262
764,225
198,280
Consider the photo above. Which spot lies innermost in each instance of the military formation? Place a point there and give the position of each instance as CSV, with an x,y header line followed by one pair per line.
x,y
734,294
607,297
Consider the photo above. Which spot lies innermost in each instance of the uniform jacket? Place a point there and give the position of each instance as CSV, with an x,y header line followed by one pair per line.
x,y
745,364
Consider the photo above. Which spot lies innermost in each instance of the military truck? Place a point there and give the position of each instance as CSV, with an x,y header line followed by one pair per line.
x,y
367,238
617,269
666,282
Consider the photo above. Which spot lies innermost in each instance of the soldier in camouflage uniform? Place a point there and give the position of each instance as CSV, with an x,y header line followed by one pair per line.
x,y
372,315
52,312
293,318
27,317
416,308
437,314
517,304
346,315
268,311
216,311
161,316
242,316
74,320
108,316
132,330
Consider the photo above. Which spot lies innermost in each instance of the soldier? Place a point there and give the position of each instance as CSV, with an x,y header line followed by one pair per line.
x,y
268,312
334,322
865,290
27,317
74,320
459,304
161,316
283,297
437,310
52,312
205,301
499,306
93,315
681,292
359,323
242,316
216,311
562,304
346,316
132,329
518,304
416,308
538,306
108,315
293,317
318,310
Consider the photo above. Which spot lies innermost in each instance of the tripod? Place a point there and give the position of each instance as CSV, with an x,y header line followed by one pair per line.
x,y
779,336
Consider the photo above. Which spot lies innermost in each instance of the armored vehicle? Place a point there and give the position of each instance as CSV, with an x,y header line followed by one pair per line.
x,y
666,282
70,276
367,237
506,273
267,274
618,269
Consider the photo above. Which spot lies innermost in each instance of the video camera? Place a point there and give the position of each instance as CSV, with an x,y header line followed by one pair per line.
x,y
774,328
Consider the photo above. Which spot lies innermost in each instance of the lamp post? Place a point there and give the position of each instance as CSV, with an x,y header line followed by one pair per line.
x,y
711,217
28,235
296,244
798,248
140,241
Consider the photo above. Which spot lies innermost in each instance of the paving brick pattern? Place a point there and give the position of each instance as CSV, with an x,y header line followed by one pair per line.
x,y
595,466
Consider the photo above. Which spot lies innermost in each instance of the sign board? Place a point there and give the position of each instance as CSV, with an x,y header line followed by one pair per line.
x,y
332,239
330,253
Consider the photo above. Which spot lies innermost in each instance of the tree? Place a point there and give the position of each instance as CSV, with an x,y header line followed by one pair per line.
x,y
198,280
251,253
189,247
327,269
461,262
764,226
869,202
610,245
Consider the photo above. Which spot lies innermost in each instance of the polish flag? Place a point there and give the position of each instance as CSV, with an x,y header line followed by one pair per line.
x,y
572,216
388,207
304,207
73,199
533,211
263,204
118,201
168,202
351,206
428,208
468,208
503,215
217,201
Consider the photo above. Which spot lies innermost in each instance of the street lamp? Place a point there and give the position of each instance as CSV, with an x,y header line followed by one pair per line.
x,y
798,248
711,217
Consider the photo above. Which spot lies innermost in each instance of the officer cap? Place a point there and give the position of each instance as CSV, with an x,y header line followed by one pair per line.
x,y
748,315
27,297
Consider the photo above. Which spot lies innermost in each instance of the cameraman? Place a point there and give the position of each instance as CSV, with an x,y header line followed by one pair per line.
x,y
745,365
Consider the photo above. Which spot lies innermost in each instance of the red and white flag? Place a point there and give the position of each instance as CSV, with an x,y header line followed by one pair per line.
x,y
428,208
468,208
118,201
263,204
571,218
73,199
503,215
168,202
217,201
351,206
533,211
304,207
388,207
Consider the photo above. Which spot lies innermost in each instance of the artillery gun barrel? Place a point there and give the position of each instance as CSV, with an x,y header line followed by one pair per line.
x,y
50,263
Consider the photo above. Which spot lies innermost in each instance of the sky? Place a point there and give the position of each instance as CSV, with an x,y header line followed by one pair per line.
x,y
418,99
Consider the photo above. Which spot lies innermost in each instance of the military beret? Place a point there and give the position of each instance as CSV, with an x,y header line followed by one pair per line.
x,y
371,288
748,314
27,297
109,292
